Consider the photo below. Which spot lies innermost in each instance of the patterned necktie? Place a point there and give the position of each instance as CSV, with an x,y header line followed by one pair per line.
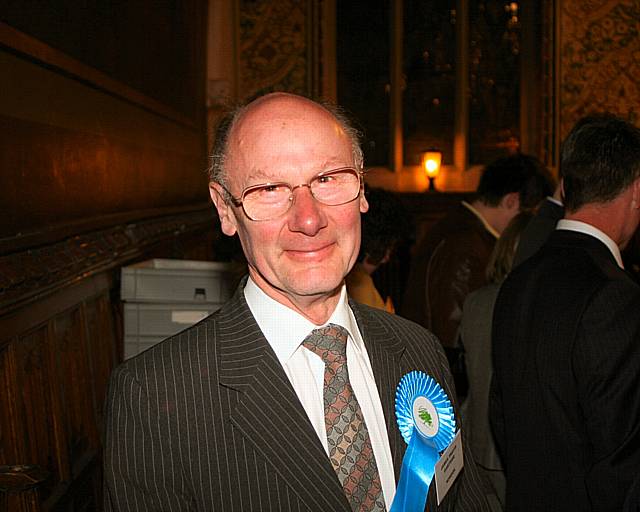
x,y
350,448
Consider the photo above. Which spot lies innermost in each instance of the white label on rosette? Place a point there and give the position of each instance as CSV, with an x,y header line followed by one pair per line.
x,y
448,467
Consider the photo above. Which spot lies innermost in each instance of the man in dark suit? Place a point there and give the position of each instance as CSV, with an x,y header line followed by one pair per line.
x,y
230,414
566,339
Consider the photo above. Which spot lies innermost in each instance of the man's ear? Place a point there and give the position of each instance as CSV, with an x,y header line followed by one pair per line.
x,y
228,221
635,197
364,204
511,201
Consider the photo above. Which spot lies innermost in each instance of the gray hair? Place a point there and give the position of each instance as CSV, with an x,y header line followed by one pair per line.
x,y
217,172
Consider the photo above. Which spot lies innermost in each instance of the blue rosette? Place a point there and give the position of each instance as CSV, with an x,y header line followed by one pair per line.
x,y
427,423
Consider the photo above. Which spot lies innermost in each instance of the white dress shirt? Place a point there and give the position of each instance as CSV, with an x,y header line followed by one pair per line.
x,y
588,229
285,330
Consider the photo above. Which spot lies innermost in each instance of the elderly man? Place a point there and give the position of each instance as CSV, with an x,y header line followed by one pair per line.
x,y
566,339
233,413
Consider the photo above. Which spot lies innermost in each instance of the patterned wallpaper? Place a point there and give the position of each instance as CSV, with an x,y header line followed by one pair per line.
x,y
598,67
599,59
274,50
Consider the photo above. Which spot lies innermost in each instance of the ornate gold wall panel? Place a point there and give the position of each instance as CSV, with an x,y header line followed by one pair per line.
x,y
275,49
599,59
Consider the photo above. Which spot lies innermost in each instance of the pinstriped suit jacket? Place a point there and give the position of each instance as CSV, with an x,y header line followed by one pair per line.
x,y
208,420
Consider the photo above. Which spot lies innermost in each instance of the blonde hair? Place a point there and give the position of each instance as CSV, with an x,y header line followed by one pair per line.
x,y
501,259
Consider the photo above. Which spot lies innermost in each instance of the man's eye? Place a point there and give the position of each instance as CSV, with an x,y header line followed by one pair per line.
x,y
270,191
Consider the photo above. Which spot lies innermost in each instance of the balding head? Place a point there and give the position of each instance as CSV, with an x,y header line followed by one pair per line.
x,y
272,105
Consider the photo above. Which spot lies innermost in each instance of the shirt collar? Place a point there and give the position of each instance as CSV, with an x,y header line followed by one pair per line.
x,y
487,226
588,229
552,199
285,329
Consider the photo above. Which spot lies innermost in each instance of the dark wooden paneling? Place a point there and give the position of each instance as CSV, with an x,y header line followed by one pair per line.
x,y
99,330
55,377
150,45
87,134
76,388
8,400
27,274
60,338
38,423
63,174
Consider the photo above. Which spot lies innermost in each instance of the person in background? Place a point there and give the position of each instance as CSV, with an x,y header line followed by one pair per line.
x,y
383,226
451,260
543,223
565,399
247,409
475,339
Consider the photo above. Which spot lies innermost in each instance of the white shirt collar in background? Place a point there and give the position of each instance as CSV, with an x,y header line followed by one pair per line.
x,y
588,229
486,225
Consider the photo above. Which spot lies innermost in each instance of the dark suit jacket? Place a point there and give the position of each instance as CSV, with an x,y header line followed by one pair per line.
x,y
538,230
208,420
566,354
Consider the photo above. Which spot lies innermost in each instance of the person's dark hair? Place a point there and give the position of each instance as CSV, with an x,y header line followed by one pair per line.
x,y
501,259
520,173
217,171
600,158
383,226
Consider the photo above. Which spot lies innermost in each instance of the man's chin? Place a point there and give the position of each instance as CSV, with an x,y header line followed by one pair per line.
x,y
309,283
316,287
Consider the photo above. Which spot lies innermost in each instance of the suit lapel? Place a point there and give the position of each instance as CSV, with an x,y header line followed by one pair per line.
x,y
268,414
385,353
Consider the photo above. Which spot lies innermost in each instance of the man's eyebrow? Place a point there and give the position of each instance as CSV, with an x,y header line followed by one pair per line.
x,y
260,176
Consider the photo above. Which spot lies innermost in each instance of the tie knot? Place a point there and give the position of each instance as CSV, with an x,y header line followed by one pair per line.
x,y
329,342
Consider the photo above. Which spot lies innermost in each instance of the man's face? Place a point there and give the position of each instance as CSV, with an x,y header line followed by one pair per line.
x,y
306,252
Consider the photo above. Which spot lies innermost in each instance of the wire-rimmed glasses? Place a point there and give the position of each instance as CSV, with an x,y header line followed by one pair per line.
x,y
270,200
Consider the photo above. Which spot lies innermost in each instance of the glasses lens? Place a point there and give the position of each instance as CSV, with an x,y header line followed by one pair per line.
x,y
336,187
266,201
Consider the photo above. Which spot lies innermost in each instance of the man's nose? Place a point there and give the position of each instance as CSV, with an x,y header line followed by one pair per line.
x,y
306,214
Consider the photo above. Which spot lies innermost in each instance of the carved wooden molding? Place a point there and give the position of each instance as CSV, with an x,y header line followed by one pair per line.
x,y
30,274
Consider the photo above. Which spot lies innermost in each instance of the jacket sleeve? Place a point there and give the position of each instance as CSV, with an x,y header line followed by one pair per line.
x,y
456,268
140,467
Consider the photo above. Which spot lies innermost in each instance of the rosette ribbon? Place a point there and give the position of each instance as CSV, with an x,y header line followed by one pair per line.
x,y
427,424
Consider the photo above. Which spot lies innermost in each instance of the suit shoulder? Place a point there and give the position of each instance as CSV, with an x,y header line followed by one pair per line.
x,y
178,349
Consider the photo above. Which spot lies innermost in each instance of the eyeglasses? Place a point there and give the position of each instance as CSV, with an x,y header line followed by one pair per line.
x,y
270,200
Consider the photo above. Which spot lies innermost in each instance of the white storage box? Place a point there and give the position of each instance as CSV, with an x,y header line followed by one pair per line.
x,y
146,324
163,297
133,345
161,280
